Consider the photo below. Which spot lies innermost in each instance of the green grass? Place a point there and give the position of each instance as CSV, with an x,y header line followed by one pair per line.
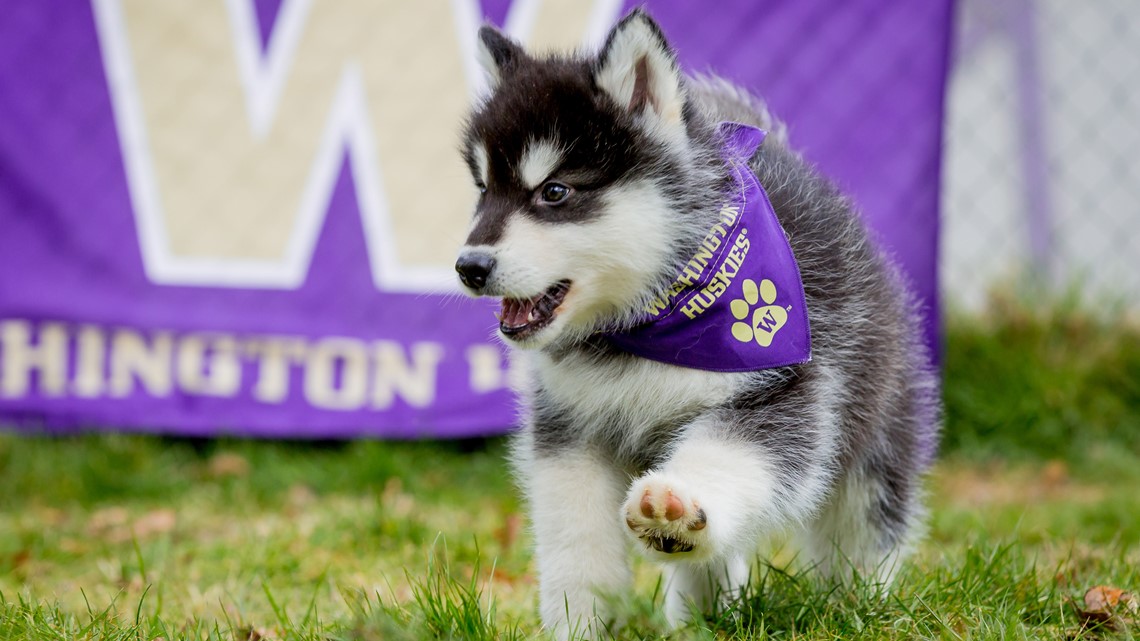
x,y
1028,381
1036,499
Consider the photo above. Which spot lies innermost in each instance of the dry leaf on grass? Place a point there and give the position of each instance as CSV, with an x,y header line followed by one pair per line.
x,y
1109,606
398,503
228,464
508,533
113,525
17,561
156,522
250,633
73,546
1054,475
499,575
106,518
298,498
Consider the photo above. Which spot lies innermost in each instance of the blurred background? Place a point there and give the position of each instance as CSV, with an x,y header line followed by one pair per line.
x,y
1041,174
239,217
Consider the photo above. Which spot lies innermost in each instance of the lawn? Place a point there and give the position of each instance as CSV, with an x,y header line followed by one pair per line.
x,y
1035,501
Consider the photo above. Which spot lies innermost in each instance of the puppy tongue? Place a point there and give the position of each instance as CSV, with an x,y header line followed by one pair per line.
x,y
521,314
516,312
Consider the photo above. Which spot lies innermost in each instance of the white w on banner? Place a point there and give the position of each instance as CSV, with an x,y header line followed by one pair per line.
x,y
233,149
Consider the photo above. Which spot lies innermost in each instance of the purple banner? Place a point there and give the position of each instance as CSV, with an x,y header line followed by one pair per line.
x,y
238,217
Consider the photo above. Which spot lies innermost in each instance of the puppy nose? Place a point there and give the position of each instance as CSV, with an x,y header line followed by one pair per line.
x,y
474,268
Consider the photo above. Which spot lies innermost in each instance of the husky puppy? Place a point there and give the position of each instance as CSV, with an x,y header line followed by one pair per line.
x,y
599,176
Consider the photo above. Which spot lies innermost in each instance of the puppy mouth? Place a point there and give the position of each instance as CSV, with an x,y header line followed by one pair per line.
x,y
521,318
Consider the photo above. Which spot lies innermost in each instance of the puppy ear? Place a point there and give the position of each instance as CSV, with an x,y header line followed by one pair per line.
x,y
497,54
638,69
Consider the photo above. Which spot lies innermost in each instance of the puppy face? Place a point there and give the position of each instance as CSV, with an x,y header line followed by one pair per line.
x,y
571,158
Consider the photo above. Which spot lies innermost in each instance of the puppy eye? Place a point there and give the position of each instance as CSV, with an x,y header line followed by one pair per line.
x,y
554,193
481,187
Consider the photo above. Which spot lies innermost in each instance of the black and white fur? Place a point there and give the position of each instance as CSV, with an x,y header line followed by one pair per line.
x,y
692,467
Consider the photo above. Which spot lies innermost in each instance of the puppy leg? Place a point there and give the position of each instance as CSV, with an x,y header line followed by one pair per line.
x,y
581,549
702,511
867,527
724,486
693,587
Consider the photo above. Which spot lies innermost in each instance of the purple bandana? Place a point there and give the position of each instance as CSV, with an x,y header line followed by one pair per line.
x,y
738,305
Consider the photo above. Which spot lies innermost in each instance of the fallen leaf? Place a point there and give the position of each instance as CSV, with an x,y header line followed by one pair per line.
x,y
1103,597
51,516
227,464
300,496
107,518
1055,474
499,575
508,533
1109,606
250,633
73,546
399,503
392,487
159,521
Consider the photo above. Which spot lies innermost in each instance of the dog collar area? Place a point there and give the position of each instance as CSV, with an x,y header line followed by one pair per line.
x,y
738,304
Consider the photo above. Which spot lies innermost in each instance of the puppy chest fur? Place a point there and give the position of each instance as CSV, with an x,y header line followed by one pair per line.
x,y
629,408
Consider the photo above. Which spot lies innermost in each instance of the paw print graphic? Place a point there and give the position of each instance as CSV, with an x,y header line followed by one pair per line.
x,y
766,320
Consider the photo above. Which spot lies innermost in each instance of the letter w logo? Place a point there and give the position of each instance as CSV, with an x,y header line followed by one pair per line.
x,y
767,322
232,152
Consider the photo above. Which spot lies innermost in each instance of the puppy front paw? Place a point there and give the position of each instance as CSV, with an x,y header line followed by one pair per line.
x,y
664,515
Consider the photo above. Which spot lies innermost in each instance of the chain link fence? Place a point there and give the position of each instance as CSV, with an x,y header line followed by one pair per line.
x,y
1041,173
